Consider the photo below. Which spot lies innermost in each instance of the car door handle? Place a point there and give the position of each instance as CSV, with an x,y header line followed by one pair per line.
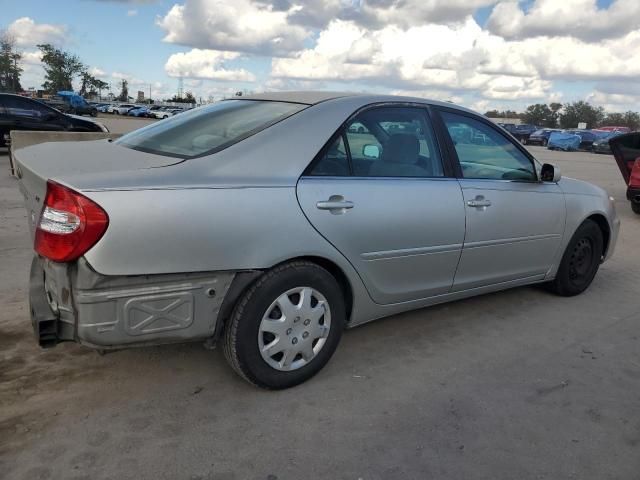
x,y
479,202
336,204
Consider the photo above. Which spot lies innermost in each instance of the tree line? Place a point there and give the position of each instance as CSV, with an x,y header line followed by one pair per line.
x,y
569,115
60,70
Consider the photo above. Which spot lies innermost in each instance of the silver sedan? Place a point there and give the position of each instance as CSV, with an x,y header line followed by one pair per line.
x,y
272,222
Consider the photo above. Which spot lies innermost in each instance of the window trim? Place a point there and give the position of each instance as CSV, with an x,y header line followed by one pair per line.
x,y
425,108
489,124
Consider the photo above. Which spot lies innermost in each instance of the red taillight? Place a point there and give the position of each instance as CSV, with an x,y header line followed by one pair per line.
x,y
69,225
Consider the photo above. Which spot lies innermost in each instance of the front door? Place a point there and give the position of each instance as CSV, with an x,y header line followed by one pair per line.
x,y
515,223
380,194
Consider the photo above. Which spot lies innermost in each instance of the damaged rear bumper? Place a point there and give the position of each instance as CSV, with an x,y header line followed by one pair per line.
x,y
72,302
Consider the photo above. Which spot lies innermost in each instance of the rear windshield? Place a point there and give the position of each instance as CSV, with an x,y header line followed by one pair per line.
x,y
208,129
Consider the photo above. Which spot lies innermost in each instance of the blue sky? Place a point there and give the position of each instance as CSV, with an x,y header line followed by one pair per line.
x,y
493,63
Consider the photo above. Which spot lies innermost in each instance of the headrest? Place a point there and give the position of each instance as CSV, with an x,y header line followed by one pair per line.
x,y
401,148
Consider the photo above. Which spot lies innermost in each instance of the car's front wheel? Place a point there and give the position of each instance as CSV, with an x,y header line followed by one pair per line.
x,y
635,207
580,261
286,326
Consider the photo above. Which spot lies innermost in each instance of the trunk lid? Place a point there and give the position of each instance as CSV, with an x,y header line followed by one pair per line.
x,y
62,161
626,150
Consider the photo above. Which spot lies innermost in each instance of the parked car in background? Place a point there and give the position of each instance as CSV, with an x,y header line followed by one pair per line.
x,y
139,112
363,226
587,137
541,137
57,103
162,112
103,108
615,129
565,141
601,144
523,132
123,108
626,150
111,108
21,113
77,104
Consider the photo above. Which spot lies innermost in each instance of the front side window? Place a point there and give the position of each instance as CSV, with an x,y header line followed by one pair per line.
x,y
484,152
207,129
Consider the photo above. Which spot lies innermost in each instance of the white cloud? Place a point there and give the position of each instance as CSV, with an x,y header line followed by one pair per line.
x,y
132,13
581,19
209,64
378,13
27,33
454,60
240,25
97,72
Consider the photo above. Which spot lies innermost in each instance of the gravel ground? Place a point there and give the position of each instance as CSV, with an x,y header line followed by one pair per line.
x,y
514,385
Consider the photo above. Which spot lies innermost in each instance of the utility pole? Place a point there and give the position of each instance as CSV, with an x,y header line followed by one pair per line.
x,y
149,93
15,71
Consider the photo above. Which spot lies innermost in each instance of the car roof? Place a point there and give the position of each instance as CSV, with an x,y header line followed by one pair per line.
x,y
315,97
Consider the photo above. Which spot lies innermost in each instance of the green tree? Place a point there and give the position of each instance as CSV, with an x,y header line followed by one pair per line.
x,y
188,98
628,119
577,112
87,81
124,92
10,69
60,68
539,114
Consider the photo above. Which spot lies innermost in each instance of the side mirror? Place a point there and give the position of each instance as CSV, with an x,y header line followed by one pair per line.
x,y
371,151
550,173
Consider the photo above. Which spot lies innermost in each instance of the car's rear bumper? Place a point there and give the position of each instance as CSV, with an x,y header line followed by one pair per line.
x,y
71,302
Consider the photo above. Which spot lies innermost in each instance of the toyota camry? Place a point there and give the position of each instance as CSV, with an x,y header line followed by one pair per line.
x,y
269,223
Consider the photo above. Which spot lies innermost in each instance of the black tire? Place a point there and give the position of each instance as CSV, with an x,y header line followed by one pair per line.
x,y
241,332
635,207
94,113
580,261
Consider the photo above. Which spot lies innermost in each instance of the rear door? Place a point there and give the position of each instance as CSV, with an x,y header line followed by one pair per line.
x,y
381,194
514,222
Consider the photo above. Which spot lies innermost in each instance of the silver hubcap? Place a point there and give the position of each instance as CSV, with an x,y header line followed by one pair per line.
x,y
294,328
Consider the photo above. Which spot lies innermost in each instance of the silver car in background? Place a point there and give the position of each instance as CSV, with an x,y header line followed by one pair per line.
x,y
272,222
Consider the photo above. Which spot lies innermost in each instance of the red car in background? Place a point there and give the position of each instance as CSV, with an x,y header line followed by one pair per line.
x,y
615,129
626,149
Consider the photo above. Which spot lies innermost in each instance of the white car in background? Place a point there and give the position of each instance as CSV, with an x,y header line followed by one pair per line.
x,y
162,113
123,108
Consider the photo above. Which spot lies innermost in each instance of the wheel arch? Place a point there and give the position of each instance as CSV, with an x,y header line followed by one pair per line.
x,y
243,280
605,228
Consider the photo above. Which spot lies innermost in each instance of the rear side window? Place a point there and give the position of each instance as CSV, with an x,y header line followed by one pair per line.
x,y
383,142
208,129
21,107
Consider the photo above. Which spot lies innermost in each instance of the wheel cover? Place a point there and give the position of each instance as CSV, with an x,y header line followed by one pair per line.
x,y
294,329
581,259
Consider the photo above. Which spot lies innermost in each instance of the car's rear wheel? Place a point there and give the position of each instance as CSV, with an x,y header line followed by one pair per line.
x,y
286,326
580,261
635,207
